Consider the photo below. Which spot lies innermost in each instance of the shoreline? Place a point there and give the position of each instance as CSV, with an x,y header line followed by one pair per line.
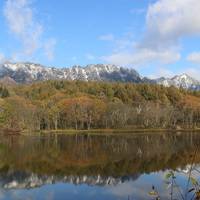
x,y
111,131
124,131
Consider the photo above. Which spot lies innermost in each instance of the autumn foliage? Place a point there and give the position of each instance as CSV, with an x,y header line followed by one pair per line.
x,y
53,105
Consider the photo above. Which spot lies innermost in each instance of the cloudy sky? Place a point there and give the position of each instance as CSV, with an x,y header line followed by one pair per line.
x,y
155,37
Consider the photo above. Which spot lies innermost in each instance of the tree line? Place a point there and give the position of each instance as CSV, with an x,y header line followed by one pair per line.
x,y
54,105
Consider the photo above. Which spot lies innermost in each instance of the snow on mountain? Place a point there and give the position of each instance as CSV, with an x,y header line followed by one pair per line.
x,y
180,81
30,72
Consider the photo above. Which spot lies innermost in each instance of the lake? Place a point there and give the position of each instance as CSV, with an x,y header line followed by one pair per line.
x,y
106,167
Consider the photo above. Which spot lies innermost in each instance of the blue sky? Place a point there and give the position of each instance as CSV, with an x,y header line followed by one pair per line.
x,y
156,37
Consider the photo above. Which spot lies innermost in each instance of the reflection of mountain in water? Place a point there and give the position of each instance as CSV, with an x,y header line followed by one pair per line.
x,y
19,180
31,161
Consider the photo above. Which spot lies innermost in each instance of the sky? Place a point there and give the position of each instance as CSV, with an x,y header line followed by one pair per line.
x,y
155,37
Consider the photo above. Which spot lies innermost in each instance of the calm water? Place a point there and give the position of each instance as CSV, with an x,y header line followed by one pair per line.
x,y
94,167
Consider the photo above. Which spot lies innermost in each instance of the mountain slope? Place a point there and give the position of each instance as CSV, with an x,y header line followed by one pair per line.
x,y
181,81
30,72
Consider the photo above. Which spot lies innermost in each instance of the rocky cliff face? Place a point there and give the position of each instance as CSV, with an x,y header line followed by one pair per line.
x,y
183,81
30,72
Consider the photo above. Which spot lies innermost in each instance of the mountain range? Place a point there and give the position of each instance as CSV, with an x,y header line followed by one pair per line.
x,y
30,72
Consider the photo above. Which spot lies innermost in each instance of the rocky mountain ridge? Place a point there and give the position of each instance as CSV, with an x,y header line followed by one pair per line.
x,y
31,72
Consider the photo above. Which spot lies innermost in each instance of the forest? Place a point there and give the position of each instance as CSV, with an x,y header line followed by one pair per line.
x,y
60,105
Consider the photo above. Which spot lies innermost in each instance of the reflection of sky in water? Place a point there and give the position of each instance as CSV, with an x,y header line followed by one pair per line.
x,y
137,189
81,156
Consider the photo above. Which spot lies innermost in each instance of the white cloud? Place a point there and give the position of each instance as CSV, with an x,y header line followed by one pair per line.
x,y
49,48
107,37
124,44
90,56
162,72
25,27
2,57
141,57
20,20
194,57
169,20
193,72
169,73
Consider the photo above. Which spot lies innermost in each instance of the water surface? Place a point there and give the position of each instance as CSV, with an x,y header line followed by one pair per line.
x,y
94,167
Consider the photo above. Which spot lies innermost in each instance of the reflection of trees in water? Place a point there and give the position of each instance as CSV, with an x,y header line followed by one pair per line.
x,y
92,155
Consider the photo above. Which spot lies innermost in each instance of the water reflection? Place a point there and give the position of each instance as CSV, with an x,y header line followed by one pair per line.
x,y
91,167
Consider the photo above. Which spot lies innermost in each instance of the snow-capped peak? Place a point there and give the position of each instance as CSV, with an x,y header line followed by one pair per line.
x,y
30,72
181,81
184,77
